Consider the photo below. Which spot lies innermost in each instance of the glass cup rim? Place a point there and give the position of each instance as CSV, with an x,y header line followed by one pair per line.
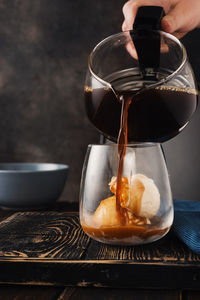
x,y
132,145
168,35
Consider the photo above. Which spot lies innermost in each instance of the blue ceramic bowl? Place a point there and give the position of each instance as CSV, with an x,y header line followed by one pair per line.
x,y
31,185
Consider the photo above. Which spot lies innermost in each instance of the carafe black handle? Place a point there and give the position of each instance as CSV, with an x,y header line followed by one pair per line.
x,y
146,36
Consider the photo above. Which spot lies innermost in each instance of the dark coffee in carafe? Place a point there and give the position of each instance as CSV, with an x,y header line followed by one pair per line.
x,y
154,114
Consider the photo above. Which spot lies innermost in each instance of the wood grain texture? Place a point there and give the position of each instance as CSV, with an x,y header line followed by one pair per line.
x,y
168,250
42,235
51,248
117,294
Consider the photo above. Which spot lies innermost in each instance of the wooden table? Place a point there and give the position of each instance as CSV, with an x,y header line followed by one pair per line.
x,y
46,255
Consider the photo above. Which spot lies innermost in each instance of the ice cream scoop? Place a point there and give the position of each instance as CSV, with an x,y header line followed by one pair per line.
x,y
106,213
139,195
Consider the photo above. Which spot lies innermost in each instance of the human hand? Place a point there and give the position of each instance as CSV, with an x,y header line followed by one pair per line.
x,y
181,17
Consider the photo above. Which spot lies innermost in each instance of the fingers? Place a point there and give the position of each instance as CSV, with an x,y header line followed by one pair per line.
x,y
183,17
131,50
130,9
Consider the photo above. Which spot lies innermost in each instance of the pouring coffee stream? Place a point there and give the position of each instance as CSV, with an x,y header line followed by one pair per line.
x,y
122,142
147,19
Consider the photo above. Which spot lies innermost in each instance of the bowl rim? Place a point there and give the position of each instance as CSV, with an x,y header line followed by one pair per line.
x,y
50,167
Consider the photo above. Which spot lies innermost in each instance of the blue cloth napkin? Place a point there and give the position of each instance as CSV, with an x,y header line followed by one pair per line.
x,y
187,223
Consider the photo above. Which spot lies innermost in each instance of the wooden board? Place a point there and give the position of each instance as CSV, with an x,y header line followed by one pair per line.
x,y
75,293
118,294
50,248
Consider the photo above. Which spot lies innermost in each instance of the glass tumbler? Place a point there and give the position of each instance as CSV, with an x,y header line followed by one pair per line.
x,y
145,211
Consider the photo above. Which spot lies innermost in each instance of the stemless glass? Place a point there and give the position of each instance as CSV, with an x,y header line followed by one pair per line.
x,y
146,195
164,97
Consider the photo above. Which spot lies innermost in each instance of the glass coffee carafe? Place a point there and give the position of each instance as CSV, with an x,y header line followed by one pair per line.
x,y
140,91
163,98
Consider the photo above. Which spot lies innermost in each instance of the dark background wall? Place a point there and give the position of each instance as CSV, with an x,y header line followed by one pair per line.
x,y
44,46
